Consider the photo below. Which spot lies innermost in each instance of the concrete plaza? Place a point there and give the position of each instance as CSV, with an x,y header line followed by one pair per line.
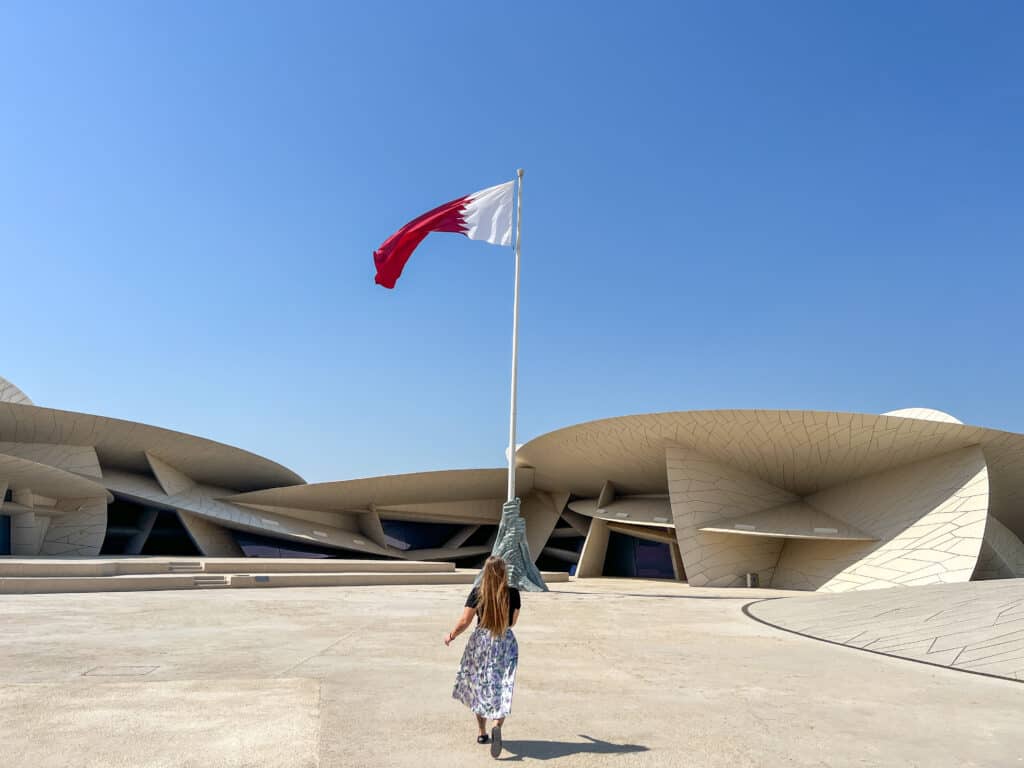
x,y
614,673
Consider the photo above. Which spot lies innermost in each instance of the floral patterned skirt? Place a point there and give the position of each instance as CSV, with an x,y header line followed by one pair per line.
x,y
487,674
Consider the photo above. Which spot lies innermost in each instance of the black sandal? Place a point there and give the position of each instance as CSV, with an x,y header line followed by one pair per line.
x,y
483,738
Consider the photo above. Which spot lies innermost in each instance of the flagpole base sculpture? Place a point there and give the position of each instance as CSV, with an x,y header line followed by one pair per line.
x,y
510,545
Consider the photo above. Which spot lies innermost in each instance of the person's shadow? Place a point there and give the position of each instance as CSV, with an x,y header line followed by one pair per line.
x,y
550,750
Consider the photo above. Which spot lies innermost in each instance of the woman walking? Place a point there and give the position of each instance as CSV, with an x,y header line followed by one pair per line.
x,y
487,673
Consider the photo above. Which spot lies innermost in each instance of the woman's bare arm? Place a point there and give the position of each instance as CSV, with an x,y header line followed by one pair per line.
x,y
464,621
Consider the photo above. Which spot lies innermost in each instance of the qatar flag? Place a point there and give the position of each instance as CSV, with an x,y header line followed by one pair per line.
x,y
485,215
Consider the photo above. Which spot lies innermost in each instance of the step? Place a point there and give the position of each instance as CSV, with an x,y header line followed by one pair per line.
x,y
193,567
210,581
321,565
147,564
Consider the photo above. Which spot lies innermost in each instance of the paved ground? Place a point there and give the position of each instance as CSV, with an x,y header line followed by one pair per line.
x,y
975,627
613,673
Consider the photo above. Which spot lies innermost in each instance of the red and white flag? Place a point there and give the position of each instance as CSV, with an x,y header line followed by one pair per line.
x,y
485,215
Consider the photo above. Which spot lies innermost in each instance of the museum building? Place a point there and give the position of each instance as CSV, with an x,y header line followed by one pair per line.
x,y
808,500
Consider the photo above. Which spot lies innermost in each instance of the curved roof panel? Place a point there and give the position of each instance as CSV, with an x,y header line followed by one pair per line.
x,y
388,490
124,444
46,480
801,451
928,414
11,394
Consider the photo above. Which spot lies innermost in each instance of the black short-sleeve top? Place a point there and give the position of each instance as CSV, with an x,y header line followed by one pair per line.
x,y
514,603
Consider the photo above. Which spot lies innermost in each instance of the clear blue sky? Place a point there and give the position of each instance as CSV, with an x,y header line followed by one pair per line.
x,y
746,204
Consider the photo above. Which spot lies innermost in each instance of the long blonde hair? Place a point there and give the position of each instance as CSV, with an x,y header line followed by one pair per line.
x,y
493,603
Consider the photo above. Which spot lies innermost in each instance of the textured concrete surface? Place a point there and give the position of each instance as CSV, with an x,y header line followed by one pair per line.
x,y
161,723
612,673
922,523
974,627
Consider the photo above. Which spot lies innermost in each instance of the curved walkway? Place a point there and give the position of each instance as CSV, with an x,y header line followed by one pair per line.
x,y
973,627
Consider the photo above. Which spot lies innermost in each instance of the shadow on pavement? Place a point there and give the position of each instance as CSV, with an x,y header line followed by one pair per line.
x,y
550,750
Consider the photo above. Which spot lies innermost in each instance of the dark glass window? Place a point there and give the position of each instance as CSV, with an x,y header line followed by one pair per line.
x,y
142,529
255,545
632,557
405,534
128,524
557,554
481,536
5,535
169,537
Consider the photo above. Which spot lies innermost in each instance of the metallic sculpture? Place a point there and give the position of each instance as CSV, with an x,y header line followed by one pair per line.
x,y
510,546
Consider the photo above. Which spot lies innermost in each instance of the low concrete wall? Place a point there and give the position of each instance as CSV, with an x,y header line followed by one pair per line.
x,y
151,582
54,567
365,579
309,565
348,579
37,585
88,567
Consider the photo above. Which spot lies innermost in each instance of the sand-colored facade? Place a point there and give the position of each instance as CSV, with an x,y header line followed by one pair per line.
x,y
801,499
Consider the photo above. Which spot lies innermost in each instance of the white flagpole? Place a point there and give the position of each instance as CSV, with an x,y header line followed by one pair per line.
x,y
515,345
